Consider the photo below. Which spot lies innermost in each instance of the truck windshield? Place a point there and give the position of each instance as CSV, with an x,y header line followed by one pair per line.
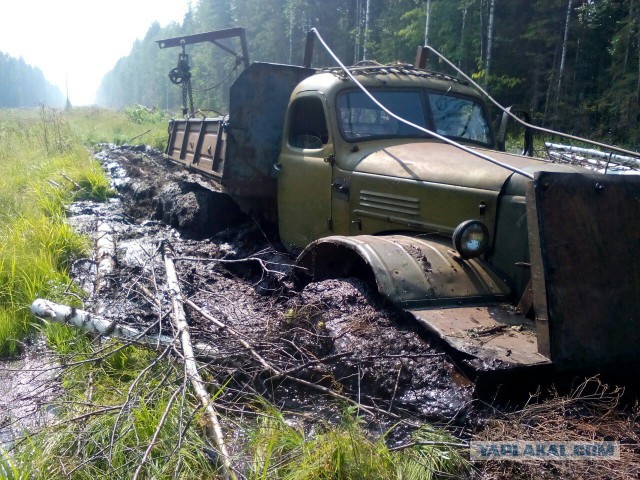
x,y
451,116
459,118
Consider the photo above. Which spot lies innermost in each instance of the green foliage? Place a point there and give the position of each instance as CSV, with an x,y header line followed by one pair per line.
x,y
97,125
345,451
141,115
9,469
145,402
39,174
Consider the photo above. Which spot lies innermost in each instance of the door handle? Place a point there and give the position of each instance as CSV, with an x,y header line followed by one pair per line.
x,y
340,187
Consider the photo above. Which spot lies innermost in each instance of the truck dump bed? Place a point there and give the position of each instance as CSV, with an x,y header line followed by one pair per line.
x,y
250,135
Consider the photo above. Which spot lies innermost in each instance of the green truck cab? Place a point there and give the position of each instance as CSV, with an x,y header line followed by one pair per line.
x,y
512,262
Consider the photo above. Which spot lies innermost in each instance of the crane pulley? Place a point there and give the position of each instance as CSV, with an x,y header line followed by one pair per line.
x,y
181,74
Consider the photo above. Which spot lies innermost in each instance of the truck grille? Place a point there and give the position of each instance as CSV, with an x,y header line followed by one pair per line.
x,y
384,203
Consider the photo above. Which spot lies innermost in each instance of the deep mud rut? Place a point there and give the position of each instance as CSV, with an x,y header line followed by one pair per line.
x,y
338,330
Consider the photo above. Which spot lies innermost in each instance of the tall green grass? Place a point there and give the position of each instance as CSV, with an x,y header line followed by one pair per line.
x,y
345,451
143,403
37,151
95,125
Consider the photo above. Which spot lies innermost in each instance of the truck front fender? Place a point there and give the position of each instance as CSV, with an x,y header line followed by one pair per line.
x,y
410,272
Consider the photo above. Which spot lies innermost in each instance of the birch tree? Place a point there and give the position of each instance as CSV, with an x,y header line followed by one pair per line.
x,y
563,55
487,64
427,8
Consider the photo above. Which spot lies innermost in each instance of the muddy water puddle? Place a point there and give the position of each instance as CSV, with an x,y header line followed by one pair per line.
x,y
27,385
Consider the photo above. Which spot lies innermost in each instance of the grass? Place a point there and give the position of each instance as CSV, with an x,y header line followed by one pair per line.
x,y
9,470
346,451
37,152
94,125
43,161
141,405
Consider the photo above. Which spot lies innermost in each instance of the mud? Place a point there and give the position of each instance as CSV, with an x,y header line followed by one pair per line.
x,y
28,386
335,333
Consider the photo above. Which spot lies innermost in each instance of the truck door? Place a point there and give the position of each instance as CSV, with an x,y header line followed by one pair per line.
x,y
305,173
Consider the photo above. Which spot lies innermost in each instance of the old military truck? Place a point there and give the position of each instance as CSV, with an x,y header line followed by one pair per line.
x,y
513,260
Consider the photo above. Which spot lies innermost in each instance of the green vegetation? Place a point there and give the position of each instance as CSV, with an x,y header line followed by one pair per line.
x,y
9,470
44,165
135,124
130,400
42,168
345,451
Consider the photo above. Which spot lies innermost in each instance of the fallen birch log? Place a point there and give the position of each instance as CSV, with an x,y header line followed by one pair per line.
x,y
191,367
98,325
90,323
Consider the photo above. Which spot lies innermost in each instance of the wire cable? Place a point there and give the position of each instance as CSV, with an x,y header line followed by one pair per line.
x,y
411,124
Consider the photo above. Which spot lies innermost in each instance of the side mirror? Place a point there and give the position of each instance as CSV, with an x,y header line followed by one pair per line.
x,y
528,133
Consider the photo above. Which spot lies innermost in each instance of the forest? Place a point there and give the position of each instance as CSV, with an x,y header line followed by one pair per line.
x,y
22,85
574,64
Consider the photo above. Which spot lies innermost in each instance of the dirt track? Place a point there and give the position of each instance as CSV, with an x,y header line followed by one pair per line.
x,y
372,353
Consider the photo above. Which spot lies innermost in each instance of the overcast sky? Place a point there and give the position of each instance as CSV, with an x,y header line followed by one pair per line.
x,y
79,40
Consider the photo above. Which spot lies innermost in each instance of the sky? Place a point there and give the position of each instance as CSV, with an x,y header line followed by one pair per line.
x,y
78,41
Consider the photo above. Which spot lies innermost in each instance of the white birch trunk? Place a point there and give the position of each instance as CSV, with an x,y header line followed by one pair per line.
x,y
563,55
93,323
427,22
365,52
487,65
191,367
98,325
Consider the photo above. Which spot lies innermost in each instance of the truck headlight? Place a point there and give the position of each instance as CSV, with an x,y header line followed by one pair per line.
x,y
471,238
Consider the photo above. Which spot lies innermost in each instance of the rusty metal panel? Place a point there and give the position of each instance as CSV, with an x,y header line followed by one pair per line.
x,y
257,108
586,266
176,137
197,143
497,335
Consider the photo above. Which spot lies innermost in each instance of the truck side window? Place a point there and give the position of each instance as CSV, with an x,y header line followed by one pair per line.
x,y
308,126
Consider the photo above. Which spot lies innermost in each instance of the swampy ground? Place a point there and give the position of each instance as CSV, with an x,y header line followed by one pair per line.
x,y
335,333
234,268
376,373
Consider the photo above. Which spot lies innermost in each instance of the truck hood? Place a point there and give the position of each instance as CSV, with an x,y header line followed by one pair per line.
x,y
442,163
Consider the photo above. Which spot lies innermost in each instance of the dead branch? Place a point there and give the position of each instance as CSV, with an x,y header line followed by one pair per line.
x,y
105,256
191,366
71,181
428,444
263,263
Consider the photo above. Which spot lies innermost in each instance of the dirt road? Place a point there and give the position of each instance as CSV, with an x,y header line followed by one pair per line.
x,y
236,270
